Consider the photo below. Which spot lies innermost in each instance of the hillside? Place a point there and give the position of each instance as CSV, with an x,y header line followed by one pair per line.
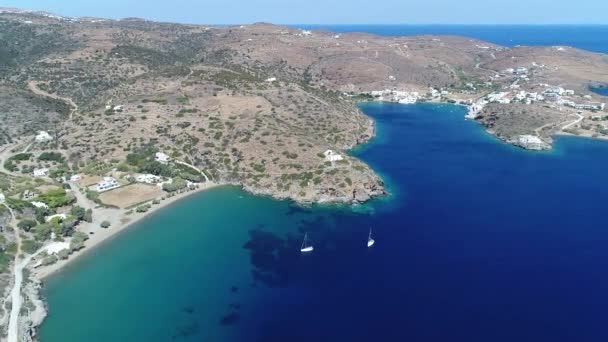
x,y
258,105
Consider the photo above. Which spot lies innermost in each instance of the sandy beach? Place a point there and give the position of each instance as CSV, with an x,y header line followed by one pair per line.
x,y
119,220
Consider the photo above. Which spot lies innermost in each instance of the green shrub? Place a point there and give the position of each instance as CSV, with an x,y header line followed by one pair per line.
x,y
78,240
26,225
30,246
51,156
143,208
56,198
177,184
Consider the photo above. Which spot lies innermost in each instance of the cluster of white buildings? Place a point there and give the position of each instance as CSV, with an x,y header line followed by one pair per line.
x,y
551,94
389,95
434,93
475,109
304,33
332,156
583,106
106,184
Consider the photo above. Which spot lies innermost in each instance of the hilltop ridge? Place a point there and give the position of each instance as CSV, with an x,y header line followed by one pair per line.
x,y
260,105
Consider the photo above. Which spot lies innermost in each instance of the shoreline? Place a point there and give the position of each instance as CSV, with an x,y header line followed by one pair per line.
x,y
556,134
121,223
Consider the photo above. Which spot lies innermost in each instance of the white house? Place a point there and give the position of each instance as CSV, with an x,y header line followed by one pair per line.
x,y
40,205
107,184
555,90
60,216
2,198
148,179
162,158
75,178
332,156
117,108
41,172
43,137
28,195
57,247
271,79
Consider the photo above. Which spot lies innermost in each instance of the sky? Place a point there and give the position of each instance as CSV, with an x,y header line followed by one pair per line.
x,y
333,11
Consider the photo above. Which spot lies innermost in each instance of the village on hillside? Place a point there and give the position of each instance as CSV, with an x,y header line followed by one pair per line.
x,y
514,86
55,209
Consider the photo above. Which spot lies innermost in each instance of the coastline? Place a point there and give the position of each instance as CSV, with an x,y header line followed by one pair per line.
x,y
122,222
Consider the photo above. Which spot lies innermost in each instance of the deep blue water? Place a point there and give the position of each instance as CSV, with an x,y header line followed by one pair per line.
x,y
587,37
601,91
479,241
483,242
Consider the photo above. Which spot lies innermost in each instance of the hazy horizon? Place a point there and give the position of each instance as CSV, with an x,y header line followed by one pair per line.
x,y
341,12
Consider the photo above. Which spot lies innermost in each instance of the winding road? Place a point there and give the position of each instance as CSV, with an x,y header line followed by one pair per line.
x,y
580,118
33,86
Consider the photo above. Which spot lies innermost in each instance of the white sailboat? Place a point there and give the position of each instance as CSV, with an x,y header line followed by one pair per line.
x,y
306,248
370,241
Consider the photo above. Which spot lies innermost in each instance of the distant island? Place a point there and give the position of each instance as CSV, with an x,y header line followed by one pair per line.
x,y
104,121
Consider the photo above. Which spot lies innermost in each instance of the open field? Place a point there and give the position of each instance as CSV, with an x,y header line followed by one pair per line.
x,y
87,181
130,195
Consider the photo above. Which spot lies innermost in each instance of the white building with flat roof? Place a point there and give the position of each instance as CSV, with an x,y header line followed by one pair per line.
x,y
43,137
332,156
2,198
108,183
162,158
39,205
41,172
148,179
61,217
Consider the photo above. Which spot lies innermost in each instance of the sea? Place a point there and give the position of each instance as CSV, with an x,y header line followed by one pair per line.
x,y
477,241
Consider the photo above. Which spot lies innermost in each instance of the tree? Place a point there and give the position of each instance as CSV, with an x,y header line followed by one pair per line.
x,y
42,232
177,184
26,225
78,240
41,213
105,224
78,212
88,216
63,254
67,226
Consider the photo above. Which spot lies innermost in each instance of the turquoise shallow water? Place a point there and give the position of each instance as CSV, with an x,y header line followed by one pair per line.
x,y
174,275
479,241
